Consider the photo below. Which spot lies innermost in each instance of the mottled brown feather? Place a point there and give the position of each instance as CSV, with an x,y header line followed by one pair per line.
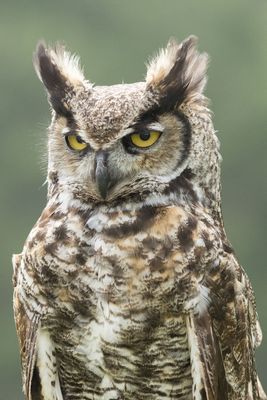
x,y
135,294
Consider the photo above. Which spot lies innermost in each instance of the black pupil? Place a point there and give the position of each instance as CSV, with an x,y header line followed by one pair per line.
x,y
79,139
145,135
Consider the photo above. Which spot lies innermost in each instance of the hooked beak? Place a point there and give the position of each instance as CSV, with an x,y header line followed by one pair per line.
x,y
101,173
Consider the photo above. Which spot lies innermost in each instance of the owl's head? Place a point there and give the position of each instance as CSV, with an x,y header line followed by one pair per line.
x,y
110,142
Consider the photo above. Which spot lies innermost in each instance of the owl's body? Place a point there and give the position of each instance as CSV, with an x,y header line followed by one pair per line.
x,y
127,287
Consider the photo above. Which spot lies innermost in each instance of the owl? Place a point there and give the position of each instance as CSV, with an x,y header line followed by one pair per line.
x,y
127,287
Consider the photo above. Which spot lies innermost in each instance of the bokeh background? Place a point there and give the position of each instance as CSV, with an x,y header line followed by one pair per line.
x,y
114,39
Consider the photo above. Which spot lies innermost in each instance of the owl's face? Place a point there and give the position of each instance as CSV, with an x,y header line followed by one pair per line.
x,y
118,140
149,147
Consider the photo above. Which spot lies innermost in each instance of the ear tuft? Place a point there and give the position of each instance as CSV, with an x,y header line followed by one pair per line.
x,y
160,66
178,72
53,62
60,73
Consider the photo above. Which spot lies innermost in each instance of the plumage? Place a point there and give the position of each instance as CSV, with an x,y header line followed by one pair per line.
x,y
127,287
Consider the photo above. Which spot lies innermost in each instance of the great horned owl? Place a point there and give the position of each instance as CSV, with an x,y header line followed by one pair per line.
x,y
127,287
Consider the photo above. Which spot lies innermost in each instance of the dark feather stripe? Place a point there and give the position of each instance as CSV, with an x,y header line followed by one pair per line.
x,y
53,80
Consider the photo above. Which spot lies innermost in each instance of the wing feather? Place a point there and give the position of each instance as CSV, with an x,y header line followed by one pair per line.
x,y
206,360
27,325
40,373
222,337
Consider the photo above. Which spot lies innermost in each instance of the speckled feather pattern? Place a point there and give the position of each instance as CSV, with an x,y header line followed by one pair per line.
x,y
138,295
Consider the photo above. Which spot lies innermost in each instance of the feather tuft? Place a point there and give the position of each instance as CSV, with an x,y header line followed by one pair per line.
x,y
59,59
178,72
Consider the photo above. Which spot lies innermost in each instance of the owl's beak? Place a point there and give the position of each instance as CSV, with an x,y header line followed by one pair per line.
x,y
101,173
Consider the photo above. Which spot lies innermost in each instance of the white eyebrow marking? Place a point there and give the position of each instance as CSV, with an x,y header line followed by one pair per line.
x,y
155,126
65,130
79,133
128,131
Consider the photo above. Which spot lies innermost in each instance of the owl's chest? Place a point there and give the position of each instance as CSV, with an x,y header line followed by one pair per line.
x,y
136,259
126,358
116,286
127,332
128,261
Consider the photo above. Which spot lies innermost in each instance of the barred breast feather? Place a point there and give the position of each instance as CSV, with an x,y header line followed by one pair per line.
x,y
127,287
117,304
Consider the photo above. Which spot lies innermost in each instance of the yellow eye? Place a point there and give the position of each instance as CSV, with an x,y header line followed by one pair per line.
x,y
74,142
145,139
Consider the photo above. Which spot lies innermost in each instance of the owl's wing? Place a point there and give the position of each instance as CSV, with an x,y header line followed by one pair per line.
x,y
27,325
206,361
223,336
39,364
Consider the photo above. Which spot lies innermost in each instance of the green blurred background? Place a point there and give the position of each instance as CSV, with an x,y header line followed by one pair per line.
x,y
114,39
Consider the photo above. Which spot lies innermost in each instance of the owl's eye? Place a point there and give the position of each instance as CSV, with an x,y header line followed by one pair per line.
x,y
75,142
144,139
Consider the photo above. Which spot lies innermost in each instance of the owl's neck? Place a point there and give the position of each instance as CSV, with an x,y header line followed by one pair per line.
x,y
183,191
